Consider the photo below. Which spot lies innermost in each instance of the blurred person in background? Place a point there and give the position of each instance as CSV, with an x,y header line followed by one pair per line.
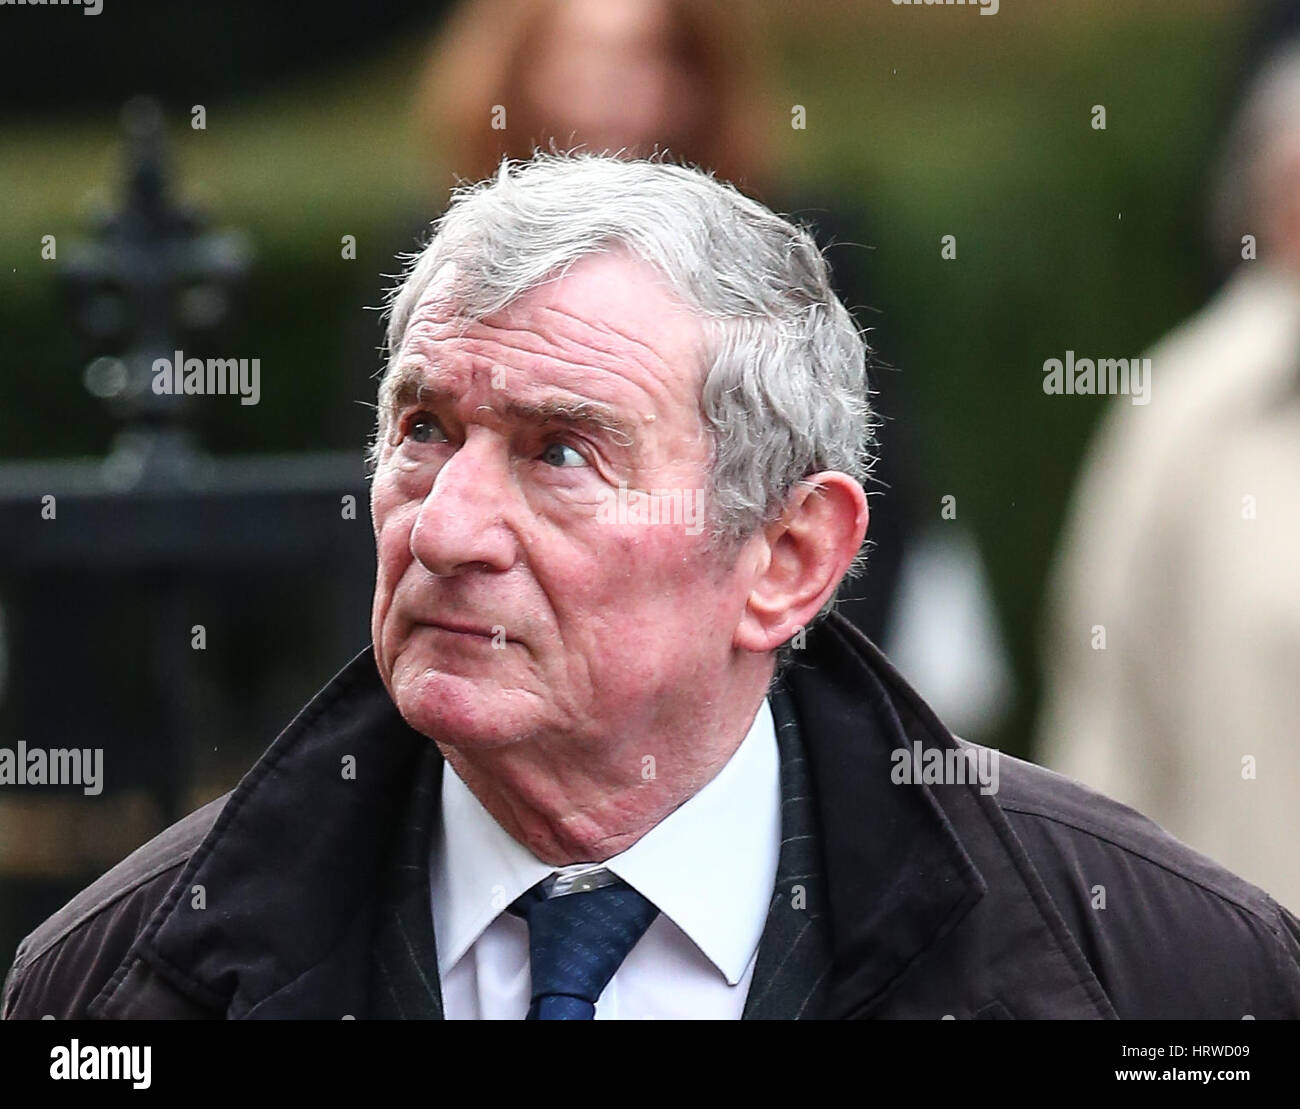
x,y
631,77
688,80
1173,669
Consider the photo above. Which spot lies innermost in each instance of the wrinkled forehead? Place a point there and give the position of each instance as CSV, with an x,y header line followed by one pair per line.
x,y
438,297
608,303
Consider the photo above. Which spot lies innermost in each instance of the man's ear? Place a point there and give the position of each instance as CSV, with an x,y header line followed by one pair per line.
x,y
804,555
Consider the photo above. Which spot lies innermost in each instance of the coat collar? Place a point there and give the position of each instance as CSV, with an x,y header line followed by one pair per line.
x,y
920,870
285,881
242,934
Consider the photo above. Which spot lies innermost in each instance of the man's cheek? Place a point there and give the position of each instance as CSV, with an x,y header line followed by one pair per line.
x,y
393,540
393,556
395,490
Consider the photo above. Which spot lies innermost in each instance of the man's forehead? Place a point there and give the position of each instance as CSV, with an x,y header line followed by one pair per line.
x,y
605,329
448,359
601,298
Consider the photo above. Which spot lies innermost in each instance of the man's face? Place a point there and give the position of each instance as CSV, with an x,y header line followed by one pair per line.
x,y
511,603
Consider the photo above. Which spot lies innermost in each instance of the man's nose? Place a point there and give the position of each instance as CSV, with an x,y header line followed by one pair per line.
x,y
461,524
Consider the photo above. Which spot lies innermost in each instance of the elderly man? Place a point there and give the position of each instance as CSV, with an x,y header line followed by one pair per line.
x,y
618,477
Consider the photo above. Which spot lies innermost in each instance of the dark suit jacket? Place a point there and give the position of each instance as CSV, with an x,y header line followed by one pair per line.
x,y
305,894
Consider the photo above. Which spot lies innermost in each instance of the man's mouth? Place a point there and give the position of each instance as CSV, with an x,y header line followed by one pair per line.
x,y
462,629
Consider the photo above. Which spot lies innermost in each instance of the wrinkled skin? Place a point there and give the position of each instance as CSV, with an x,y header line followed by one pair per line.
x,y
555,655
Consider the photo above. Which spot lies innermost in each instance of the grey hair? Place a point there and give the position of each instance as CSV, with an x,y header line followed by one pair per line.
x,y
1266,127
785,393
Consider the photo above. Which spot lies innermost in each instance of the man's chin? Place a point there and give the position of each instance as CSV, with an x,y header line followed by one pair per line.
x,y
464,711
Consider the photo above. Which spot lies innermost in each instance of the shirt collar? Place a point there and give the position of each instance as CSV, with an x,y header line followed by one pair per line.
x,y
719,897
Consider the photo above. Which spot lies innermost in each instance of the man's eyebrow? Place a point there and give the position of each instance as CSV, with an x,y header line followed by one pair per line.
x,y
573,413
409,386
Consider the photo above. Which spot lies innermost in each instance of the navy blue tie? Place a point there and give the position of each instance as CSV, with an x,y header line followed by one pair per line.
x,y
576,942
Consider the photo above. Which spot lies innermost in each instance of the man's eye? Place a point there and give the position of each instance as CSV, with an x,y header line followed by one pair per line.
x,y
423,428
555,455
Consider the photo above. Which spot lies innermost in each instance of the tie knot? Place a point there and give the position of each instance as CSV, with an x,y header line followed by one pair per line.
x,y
576,943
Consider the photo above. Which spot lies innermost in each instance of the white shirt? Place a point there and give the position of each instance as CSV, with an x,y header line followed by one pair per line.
x,y
709,867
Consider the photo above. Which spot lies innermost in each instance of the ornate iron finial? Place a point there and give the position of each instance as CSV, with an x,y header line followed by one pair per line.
x,y
150,275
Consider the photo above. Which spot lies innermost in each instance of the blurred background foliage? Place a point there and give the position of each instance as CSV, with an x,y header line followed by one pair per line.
x,y
928,122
